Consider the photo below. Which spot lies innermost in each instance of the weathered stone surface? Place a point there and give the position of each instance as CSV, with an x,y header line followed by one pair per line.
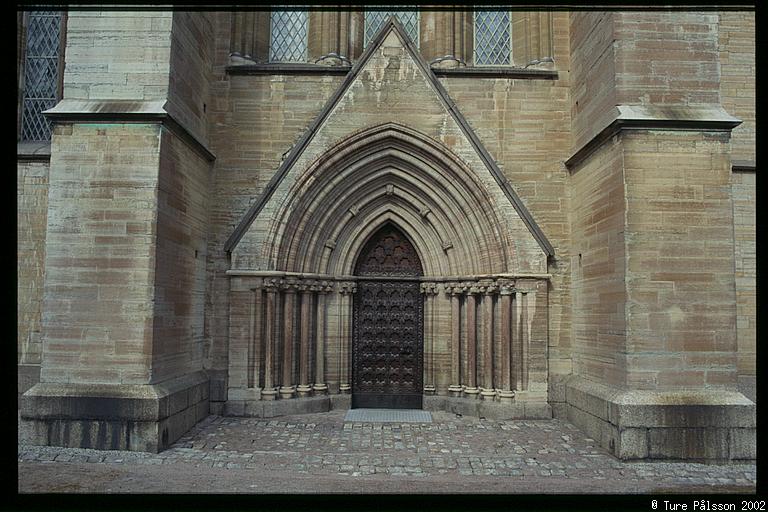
x,y
689,444
122,259
633,444
663,425
743,444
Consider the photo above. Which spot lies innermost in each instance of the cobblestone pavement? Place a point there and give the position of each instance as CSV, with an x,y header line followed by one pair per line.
x,y
321,452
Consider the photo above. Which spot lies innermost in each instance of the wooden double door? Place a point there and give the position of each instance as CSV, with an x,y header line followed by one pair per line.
x,y
388,324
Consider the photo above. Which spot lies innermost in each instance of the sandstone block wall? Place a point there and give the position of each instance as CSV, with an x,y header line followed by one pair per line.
x,y
666,57
114,55
737,78
31,215
737,95
180,254
744,227
679,270
593,73
598,269
189,74
100,255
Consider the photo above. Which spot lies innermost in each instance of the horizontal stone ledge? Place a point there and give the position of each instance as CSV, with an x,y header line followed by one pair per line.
x,y
743,165
305,68
330,277
29,150
650,117
286,69
126,111
498,72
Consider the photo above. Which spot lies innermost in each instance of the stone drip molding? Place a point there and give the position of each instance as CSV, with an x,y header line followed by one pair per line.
x,y
646,117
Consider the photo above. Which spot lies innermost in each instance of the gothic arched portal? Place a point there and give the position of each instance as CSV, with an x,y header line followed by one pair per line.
x,y
388,324
389,268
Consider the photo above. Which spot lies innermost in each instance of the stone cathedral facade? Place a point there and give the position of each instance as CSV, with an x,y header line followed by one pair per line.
x,y
497,213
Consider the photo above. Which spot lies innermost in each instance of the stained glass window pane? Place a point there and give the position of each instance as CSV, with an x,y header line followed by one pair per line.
x,y
41,73
288,36
492,38
375,19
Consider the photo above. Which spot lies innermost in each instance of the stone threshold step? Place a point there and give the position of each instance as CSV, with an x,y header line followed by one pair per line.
x,y
388,416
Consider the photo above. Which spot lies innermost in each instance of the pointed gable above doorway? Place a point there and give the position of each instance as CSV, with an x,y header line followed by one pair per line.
x,y
390,84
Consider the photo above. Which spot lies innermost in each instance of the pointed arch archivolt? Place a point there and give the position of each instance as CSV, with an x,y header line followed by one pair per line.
x,y
389,173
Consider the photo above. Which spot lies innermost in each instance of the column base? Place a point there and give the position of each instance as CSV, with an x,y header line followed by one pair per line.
x,y
454,390
471,392
320,389
304,390
488,409
287,392
487,394
505,395
429,389
345,389
268,394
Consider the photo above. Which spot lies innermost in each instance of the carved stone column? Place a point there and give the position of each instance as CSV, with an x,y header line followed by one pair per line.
x,y
249,36
505,392
430,291
532,34
335,37
455,388
287,389
517,338
304,389
525,320
471,390
346,289
320,387
254,344
446,37
270,332
487,391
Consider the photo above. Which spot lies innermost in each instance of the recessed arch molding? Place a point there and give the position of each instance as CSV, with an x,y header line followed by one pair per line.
x,y
483,284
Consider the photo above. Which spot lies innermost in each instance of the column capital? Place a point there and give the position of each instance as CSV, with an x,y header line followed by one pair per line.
x,y
347,287
429,288
507,289
271,284
488,289
289,285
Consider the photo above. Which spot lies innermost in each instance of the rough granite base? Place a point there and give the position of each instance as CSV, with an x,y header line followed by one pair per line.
x,y
695,426
146,418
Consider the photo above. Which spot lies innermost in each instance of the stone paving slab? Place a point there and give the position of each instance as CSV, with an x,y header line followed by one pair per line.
x,y
499,456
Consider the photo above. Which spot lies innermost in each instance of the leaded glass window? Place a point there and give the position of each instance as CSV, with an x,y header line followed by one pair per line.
x,y
288,36
41,73
375,19
492,38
